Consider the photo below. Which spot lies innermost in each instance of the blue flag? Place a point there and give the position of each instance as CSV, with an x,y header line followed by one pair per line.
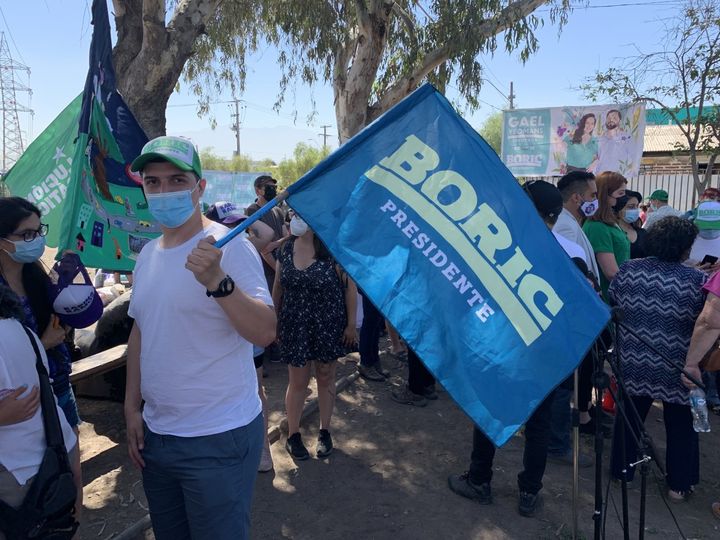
x,y
106,218
433,227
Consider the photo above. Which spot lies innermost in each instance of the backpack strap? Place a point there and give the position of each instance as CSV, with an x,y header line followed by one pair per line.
x,y
51,421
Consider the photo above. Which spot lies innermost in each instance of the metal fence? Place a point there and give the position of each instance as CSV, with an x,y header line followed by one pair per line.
x,y
680,187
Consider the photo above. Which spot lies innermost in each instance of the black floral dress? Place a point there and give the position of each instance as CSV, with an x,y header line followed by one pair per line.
x,y
312,314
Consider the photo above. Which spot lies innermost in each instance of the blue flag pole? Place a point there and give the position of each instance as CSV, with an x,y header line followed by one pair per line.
x,y
280,197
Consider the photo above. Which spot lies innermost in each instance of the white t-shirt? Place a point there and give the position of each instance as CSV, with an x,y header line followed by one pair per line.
x,y
197,375
571,248
701,247
22,445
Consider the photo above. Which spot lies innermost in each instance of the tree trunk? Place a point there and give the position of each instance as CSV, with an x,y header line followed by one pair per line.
x,y
709,171
149,55
357,63
699,184
353,83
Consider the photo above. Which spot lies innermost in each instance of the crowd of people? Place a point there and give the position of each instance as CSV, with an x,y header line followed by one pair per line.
x,y
195,409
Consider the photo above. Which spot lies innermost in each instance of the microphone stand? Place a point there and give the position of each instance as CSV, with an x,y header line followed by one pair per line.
x,y
601,381
643,440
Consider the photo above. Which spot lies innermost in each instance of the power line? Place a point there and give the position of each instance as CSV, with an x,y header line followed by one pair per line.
x,y
496,88
624,4
7,27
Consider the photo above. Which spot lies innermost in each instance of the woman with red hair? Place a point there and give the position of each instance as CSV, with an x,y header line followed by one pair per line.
x,y
609,241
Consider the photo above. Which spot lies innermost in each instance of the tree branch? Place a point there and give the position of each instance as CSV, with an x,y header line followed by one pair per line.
x,y
491,27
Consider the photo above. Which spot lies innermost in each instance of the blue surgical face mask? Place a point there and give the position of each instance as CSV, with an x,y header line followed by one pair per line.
x,y
631,215
172,209
28,252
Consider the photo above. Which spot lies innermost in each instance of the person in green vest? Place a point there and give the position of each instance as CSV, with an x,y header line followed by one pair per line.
x,y
609,241
582,146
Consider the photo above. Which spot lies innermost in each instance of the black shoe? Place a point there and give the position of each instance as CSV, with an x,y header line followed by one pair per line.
x,y
463,486
296,448
588,428
324,445
382,371
405,396
430,393
370,373
528,503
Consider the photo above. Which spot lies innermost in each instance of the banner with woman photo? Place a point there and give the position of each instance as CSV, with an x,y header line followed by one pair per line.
x,y
554,141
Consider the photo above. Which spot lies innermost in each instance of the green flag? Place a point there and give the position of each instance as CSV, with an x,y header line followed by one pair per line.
x,y
106,221
42,173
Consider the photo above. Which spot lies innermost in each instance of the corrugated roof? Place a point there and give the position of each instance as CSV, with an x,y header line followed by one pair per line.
x,y
663,139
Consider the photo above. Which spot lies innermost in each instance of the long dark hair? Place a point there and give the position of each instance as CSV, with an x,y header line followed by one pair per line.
x,y
577,136
34,278
10,305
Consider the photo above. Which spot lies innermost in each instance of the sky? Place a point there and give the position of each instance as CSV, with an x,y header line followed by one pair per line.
x,y
52,38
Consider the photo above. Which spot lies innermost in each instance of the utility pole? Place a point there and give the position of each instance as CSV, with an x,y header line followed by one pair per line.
x,y
236,126
325,135
511,97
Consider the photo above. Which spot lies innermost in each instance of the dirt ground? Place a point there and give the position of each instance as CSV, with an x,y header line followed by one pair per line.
x,y
387,477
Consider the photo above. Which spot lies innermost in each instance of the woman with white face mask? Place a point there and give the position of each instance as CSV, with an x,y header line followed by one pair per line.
x,y
315,302
628,210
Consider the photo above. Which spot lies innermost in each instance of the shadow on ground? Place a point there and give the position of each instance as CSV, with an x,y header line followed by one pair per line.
x,y
387,477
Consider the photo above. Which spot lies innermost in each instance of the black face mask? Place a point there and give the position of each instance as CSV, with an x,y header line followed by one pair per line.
x,y
270,192
620,203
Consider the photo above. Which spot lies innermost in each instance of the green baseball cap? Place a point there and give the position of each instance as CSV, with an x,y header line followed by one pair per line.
x,y
659,195
176,150
707,215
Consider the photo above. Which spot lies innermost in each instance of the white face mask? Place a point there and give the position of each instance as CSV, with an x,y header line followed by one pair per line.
x,y
709,234
297,226
588,208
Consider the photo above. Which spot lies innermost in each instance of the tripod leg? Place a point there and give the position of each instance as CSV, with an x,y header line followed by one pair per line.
x,y
576,453
600,382
623,453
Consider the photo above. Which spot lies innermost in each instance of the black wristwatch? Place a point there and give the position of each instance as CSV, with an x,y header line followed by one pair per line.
x,y
225,288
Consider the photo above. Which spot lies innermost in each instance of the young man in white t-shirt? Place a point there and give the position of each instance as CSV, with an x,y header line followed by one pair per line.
x,y
198,310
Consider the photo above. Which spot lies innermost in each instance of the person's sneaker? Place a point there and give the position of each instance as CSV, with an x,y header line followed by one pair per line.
x,y
324,445
381,370
296,448
528,503
588,428
266,462
406,397
463,486
370,373
584,460
429,392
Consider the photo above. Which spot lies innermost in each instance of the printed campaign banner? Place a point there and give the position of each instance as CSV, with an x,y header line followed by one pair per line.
x,y
42,173
106,220
232,187
431,225
552,142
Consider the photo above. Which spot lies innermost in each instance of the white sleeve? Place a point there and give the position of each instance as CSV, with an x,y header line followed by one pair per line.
x,y
242,263
137,273
564,229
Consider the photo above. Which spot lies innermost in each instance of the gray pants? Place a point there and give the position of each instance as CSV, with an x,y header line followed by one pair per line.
x,y
201,487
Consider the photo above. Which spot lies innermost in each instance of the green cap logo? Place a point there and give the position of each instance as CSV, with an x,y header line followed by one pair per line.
x,y
176,150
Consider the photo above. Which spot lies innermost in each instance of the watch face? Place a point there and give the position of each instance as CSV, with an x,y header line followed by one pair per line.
x,y
225,288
